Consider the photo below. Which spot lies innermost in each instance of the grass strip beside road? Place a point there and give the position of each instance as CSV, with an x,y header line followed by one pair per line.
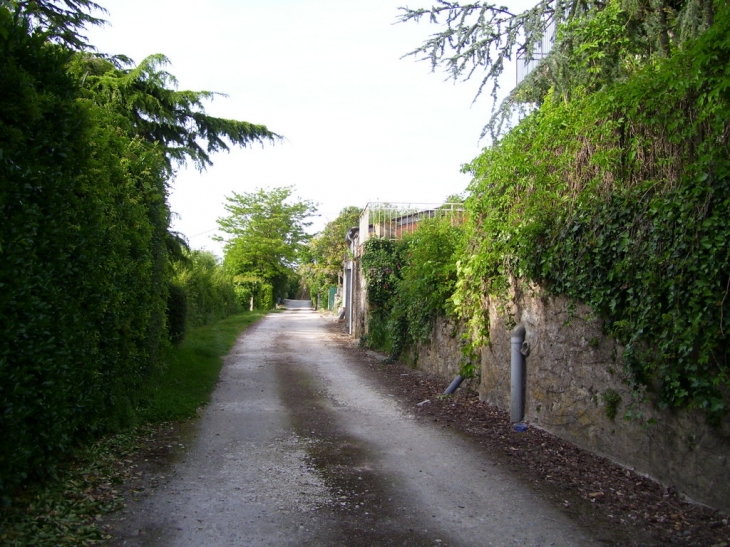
x,y
66,511
192,370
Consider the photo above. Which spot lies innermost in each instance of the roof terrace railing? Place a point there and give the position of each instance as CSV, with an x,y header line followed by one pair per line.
x,y
526,64
393,220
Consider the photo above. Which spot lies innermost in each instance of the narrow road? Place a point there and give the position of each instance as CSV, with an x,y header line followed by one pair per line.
x,y
302,446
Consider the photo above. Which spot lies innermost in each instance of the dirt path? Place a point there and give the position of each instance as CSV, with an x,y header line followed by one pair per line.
x,y
301,445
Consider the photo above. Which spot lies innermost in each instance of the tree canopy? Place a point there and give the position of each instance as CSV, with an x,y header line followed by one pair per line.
x,y
266,232
327,251
478,38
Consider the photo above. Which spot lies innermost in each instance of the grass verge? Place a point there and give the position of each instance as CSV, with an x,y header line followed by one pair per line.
x,y
65,511
192,371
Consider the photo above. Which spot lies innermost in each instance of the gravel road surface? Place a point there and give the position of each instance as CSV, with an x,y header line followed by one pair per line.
x,y
302,446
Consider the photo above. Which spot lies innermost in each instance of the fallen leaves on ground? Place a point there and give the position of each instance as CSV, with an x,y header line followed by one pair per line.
x,y
582,482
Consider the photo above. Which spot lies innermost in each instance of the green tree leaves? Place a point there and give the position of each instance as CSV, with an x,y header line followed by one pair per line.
x,y
266,233
58,21
616,199
152,109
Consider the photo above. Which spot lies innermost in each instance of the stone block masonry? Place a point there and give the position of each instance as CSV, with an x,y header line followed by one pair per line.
x,y
577,389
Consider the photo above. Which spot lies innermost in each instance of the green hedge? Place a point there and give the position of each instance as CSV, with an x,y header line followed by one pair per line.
x,y
83,220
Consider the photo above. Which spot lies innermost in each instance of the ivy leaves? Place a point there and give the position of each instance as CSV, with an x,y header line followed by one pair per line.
x,y
620,199
410,282
381,264
658,273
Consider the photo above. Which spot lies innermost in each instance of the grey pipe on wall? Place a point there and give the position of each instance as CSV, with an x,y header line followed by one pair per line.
x,y
517,376
454,385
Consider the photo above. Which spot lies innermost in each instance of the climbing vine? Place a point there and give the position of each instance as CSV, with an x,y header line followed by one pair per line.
x,y
619,199
381,264
409,283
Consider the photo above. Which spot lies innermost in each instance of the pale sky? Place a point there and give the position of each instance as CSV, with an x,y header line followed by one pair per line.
x,y
360,123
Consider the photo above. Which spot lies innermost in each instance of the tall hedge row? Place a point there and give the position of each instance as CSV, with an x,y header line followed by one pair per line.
x,y
209,292
83,220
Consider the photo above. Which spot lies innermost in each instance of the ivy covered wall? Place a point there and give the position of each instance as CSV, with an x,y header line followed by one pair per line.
x,y
615,201
620,200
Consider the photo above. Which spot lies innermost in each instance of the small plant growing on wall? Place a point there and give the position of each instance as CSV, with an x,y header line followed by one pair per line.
x,y
611,402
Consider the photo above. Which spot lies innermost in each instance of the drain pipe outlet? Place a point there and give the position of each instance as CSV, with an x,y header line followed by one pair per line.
x,y
518,374
453,386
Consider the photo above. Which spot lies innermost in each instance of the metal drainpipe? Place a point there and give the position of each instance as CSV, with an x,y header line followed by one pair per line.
x,y
349,280
520,350
454,385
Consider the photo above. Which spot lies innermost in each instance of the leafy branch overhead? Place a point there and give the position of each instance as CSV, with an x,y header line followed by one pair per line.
x,y
479,39
482,36
156,112
59,21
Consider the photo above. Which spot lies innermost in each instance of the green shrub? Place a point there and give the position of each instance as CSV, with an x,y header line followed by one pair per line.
x,y
619,199
381,264
428,275
249,287
177,312
409,283
210,292
611,401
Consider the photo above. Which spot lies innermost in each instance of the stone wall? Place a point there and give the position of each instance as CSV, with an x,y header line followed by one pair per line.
x,y
442,355
576,389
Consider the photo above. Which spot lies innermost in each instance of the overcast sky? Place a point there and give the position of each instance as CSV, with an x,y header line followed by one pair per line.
x,y
360,123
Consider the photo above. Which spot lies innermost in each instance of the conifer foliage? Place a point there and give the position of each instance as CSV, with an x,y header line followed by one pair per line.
x,y
154,110
478,39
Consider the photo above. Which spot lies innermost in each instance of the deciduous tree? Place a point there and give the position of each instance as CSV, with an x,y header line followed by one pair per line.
x,y
266,232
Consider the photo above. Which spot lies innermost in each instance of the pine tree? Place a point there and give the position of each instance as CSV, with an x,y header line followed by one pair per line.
x,y
476,40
